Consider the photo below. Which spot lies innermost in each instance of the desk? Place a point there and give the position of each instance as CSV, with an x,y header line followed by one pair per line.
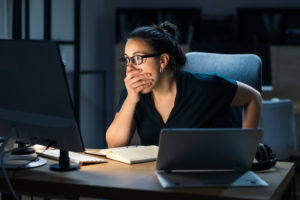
x,y
138,181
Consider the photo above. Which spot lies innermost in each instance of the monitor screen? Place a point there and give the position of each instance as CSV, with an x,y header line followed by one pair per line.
x,y
35,97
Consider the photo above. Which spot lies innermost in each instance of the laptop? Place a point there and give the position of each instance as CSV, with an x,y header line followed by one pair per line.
x,y
207,157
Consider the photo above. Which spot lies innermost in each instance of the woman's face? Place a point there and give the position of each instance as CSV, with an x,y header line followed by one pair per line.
x,y
137,46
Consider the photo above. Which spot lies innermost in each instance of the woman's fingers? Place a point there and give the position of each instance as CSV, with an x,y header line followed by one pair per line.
x,y
136,81
132,72
140,83
135,76
139,77
141,87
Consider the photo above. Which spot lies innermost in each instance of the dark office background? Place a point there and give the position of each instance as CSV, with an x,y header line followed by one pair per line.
x,y
88,31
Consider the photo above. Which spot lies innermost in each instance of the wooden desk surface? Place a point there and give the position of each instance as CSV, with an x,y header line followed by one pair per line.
x,y
138,181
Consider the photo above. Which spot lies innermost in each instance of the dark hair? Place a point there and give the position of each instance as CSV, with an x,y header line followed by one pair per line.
x,y
162,39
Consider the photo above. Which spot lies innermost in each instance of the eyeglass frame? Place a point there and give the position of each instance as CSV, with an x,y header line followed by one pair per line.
x,y
124,60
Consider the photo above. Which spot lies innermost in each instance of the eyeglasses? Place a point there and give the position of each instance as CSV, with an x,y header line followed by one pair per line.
x,y
136,60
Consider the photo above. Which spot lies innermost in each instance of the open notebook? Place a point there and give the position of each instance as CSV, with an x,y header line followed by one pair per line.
x,y
128,154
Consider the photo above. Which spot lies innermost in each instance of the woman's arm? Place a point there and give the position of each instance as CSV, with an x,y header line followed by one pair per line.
x,y
250,99
123,126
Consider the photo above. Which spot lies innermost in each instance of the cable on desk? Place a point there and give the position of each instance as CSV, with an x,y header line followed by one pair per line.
x,y
13,192
37,155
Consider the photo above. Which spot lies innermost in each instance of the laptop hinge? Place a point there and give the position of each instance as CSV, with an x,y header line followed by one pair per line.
x,y
202,170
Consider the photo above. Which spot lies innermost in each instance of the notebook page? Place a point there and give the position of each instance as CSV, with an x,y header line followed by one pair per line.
x,y
134,154
104,152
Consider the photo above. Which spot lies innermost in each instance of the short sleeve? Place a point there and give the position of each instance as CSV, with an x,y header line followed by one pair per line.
x,y
123,96
226,117
225,90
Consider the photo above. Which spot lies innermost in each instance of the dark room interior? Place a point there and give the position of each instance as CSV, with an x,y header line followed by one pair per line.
x,y
91,35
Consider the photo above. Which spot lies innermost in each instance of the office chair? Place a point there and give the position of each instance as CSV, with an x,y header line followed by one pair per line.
x,y
246,68
278,122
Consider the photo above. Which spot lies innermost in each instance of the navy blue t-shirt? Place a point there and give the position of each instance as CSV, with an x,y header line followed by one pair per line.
x,y
199,99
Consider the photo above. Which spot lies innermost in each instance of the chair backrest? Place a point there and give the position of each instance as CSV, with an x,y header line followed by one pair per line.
x,y
246,68
278,122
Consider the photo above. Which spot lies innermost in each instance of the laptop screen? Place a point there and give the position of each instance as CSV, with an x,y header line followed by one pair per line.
x,y
207,149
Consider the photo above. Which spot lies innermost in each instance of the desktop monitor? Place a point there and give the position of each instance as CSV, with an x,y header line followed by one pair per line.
x,y
35,103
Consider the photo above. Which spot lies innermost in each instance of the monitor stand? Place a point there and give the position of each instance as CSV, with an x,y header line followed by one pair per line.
x,y
22,149
64,163
10,161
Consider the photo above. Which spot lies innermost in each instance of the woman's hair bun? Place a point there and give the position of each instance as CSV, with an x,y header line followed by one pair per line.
x,y
162,38
169,28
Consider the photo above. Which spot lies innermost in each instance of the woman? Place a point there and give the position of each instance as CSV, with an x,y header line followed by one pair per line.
x,y
158,94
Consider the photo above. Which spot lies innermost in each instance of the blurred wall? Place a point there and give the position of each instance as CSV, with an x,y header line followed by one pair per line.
x,y
98,24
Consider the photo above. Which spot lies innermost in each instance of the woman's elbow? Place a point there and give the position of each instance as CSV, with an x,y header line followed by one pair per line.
x,y
111,137
257,98
253,111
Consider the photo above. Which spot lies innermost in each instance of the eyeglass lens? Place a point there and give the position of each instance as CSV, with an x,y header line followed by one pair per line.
x,y
136,60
